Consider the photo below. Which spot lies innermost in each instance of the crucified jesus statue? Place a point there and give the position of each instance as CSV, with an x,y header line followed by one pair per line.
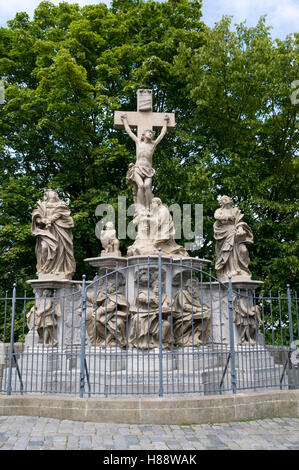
x,y
141,173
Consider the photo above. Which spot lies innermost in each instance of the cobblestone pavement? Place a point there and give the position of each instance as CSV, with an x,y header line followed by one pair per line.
x,y
20,432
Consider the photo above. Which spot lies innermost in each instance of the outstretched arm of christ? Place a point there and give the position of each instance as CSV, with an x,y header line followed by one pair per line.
x,y
124,119
163,131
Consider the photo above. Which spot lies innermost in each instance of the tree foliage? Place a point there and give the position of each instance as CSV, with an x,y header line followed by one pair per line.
x,y
69,68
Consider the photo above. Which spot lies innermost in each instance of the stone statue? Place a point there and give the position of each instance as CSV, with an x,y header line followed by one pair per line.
x,y
109,241
144,315
247,319
52,225
143,245
164,232
141,173
43,318
232,236
155,230
106,320
191,318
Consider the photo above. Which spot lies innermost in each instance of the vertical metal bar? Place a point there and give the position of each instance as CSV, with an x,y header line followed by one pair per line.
x,y
257,353
43,352
105,339
271,318
72,341
264,333
127,324
297,315
280,319
250,377
148,325
272,329
23,329
62,346
11,346
183,353
94,340
222,343
160,325
83,328
202,348
291,332
116,333
4,372
231,335
240,347
172,325
138,324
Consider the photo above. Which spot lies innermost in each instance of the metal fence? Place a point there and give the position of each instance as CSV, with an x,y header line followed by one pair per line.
x,y
155,327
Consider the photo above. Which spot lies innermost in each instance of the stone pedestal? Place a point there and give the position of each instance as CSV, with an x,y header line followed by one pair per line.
x,y
127,271
67,293
203,370
215,296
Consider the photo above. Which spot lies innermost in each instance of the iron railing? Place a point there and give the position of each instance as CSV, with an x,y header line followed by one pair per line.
x,y
155,327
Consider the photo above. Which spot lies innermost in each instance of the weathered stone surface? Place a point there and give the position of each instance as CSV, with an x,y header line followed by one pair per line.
x,y
109,241
191,317
232,236
52,225
144,315
166,410
62,305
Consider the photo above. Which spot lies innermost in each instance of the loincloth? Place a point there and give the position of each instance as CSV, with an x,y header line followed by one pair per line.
x,y
142,171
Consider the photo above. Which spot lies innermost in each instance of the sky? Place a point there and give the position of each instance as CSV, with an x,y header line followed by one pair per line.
x,y
283,15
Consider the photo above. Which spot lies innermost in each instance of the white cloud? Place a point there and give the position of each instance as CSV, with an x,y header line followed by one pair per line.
x,y
282,15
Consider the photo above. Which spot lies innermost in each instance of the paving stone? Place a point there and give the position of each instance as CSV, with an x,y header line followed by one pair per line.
x,y
48,433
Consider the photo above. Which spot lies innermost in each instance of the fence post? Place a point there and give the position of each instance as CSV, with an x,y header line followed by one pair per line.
x,y
11,345
160,324
291,332
83,331
231,335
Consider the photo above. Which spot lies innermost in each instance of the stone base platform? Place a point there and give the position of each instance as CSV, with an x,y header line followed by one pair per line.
x,y
177,409
113,371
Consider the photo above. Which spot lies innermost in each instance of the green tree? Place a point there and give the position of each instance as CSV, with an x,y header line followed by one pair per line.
x,y
70,68
243,119
65,73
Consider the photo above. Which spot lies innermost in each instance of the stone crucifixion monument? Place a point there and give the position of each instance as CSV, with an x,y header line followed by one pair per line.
x,y
153,220
145,120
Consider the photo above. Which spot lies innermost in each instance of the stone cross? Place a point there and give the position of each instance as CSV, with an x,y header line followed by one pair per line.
x,y
144,118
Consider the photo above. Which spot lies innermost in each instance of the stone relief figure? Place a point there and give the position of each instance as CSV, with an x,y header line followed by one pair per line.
x,y
232,236
43,318
191,318
145,277
52,225
90,322
109,241
247,319
141,173
106,319
144,315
